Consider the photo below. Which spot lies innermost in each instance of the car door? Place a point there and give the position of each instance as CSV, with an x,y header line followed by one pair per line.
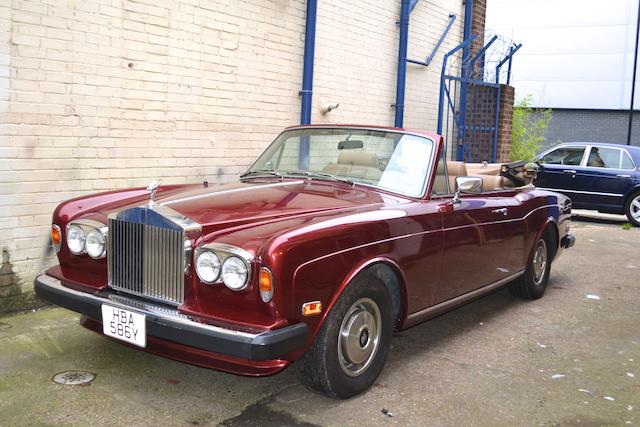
x,y
605,179
479,239
559,168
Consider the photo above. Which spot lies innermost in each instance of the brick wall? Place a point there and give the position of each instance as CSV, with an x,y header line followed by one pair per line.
x,y
505,120
105,94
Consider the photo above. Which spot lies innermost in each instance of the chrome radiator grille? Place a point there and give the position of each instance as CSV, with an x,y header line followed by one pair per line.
x,y
146,260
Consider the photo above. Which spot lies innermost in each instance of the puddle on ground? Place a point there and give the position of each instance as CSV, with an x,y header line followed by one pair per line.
x,y
260,414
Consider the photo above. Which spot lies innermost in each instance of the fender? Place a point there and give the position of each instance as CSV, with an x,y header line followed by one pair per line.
x,y
550,222
339,290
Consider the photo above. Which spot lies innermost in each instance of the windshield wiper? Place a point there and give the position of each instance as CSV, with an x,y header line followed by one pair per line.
x,y
320,175
260,173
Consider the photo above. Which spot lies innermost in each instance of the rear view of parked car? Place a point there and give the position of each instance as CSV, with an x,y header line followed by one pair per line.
x,y
596,176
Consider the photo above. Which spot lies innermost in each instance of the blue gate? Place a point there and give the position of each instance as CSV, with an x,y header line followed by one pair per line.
x,y
469,110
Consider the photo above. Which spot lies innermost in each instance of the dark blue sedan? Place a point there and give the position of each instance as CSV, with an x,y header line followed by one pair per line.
x,y
597,176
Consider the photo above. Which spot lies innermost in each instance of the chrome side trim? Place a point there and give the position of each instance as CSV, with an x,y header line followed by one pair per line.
x,y
449,304
390,239
140,307
234,190
595,193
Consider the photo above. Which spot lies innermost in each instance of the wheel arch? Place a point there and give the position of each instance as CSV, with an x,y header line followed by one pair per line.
x,y
550,228
389,272
634,191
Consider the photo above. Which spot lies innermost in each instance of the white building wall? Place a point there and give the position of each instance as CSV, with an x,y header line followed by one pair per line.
x,y
105,94
575,54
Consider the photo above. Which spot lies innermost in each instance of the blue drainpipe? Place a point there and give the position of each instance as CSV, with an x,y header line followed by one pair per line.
x,y
468,18
307,80
307,75
405,11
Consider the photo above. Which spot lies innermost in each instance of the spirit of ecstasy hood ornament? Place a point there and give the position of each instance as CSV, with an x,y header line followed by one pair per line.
x,y
152,188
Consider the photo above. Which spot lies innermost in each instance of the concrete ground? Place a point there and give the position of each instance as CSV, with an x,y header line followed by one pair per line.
x,y
571,358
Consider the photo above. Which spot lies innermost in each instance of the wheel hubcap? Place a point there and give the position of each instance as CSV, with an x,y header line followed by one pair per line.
x,y
539,262
359,336
634,208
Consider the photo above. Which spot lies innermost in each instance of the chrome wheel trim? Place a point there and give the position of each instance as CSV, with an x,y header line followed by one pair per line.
x,y
359,337
634,208
539,262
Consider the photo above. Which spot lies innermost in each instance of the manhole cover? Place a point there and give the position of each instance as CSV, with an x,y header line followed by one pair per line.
x,y
73,378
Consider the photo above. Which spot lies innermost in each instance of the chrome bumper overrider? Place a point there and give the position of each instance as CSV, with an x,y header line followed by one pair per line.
x,y
169,324
568,241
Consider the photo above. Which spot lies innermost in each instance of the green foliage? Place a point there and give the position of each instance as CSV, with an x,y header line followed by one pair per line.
x,y
627,226
528,129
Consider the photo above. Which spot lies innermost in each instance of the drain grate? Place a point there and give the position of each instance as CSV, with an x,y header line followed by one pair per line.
x,y
74,378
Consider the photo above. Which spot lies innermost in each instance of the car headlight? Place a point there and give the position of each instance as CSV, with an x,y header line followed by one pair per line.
x,y
235,273
75,239
208,267
95,243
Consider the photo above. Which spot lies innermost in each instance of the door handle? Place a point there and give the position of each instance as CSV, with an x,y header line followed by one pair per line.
x,y
502,211
624,176
572,172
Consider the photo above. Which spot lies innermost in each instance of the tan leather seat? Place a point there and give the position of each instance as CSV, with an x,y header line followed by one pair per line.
x,y
491,182
440,183
455,169
361,158
484,168
490,175
360,164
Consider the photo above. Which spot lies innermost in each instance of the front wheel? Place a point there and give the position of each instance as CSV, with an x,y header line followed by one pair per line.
x,y
351,348
532,284
632,209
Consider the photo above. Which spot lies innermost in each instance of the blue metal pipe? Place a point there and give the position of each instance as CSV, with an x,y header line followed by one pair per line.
x,y
479,55
405,11
307,80
512,51
462,45
468,20
307,74
437,46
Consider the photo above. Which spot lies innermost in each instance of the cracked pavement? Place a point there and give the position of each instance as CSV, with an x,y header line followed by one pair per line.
x,y
563,360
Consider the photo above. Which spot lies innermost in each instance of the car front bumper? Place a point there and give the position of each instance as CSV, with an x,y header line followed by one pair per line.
x,y
167,327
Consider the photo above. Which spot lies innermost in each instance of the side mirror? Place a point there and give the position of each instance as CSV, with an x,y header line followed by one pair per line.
x,y
467,185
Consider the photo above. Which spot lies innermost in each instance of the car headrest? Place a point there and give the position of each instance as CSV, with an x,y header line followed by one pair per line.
x,y
456,168
360,158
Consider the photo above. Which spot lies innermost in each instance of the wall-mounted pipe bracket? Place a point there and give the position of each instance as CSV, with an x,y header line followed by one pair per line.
x,y
426,62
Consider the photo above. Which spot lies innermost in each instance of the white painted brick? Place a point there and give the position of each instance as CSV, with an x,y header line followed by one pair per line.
x,y
209,86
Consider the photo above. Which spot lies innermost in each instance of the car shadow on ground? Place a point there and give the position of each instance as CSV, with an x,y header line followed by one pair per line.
x,y
434,336
598,218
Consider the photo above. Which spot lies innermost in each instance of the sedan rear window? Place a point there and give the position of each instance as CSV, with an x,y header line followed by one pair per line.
x,y
602,157
627,163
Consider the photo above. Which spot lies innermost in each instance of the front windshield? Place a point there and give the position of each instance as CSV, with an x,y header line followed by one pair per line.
x,y
391,160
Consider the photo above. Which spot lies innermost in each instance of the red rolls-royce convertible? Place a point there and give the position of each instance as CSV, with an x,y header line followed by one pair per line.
x,y
336,236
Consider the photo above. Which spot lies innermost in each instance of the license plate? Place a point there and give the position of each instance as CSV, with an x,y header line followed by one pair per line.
x,y
124,325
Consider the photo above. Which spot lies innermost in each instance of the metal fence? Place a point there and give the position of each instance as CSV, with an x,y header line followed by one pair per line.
x,y
469,110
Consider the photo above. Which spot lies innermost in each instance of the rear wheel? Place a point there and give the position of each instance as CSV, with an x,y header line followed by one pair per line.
x,y
632,209
351,348
533,283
